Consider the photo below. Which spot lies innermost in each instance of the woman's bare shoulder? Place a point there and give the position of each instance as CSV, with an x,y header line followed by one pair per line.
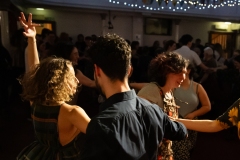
x,y
75,115
195,83
70,108
196,86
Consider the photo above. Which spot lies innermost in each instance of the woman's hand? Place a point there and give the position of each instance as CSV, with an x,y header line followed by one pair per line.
x,y
28,26
189,116
172,118
31,52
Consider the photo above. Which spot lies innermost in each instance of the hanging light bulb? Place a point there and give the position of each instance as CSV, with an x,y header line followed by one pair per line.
x,y
157,5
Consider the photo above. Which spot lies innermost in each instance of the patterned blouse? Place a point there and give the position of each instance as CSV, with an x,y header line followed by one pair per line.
x,y
231,117
153,93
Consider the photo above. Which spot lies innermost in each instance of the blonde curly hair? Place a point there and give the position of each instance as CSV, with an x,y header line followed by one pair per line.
x,y
49,82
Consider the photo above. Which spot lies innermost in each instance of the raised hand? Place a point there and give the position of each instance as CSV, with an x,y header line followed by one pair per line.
x,y
31,52
28,26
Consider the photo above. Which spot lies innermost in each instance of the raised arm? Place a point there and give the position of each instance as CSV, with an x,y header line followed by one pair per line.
x,y
30,32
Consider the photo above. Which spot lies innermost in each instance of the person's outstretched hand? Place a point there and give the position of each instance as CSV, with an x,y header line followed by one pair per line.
x,y
28,26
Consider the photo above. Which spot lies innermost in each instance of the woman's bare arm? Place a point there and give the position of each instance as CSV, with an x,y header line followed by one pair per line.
x,y
201,125
85,80
30,32
79,119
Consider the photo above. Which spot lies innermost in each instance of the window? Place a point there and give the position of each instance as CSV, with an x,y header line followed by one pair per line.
x,y
158,26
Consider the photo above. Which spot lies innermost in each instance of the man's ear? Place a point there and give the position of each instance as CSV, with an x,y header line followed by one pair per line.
x,y
97,70
130,71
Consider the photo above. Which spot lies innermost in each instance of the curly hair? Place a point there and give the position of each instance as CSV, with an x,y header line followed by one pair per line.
x,y
164,64
48,81
113,55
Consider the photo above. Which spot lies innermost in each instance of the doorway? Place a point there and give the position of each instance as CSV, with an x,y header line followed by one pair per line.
x,y
51,25
226,39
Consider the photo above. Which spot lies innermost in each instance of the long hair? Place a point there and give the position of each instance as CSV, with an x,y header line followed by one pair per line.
x,y
48,81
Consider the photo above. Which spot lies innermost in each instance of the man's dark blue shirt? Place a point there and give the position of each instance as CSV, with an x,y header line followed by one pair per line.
x,y
129,127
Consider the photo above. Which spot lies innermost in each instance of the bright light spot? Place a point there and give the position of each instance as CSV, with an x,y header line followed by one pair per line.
x,y
40,9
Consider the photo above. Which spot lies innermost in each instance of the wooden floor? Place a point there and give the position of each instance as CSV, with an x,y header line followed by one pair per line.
x,y
16,132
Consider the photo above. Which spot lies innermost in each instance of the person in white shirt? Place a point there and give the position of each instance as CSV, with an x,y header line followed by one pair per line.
x,y
189,54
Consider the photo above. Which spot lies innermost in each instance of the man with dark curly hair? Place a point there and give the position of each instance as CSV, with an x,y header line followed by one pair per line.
x,y
127,127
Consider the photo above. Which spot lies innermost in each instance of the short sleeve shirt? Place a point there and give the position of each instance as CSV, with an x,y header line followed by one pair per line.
x,y
231,117
153,93
187,53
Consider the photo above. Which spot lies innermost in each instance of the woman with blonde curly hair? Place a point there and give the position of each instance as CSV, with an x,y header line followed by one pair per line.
x,y
48,85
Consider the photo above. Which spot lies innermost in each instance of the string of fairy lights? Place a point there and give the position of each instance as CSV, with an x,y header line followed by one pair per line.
x,y
175,4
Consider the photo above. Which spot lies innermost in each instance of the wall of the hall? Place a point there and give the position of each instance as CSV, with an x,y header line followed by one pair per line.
x,y
126,25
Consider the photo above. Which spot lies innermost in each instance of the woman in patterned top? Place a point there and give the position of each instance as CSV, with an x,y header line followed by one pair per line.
x,y
166,72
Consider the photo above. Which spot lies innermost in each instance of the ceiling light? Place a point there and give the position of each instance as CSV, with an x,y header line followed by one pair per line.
x,y
40,9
